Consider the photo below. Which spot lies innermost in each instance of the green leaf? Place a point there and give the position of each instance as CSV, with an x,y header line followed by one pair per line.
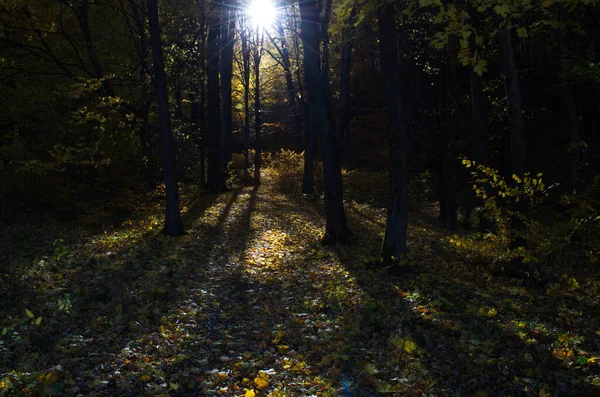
x,y
581,360
480,67
502,10
29,313
38,321
4,331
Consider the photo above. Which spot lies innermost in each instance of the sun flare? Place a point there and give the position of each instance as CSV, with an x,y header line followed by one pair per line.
x,y
262,13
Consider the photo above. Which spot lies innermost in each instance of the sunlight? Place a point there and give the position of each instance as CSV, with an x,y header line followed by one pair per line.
x,y
262,13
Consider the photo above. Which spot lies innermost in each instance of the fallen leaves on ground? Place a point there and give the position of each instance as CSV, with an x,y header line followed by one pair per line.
x,y
248,303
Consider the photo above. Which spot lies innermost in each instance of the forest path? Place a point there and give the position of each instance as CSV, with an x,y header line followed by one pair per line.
x,y
248,302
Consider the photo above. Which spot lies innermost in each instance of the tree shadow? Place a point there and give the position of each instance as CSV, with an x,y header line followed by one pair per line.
x,y
469,340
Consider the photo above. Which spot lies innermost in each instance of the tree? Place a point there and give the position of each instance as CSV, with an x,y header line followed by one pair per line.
x,y
245,31
256,56
321,123
343,123
226,70
173,225
215,180
394,241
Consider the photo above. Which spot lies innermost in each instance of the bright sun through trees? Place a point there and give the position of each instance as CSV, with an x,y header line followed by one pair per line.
x,y
262,13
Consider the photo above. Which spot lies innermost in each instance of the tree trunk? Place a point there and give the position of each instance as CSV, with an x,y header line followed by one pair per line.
x,y
336,230
215,179
173,226
394,241
575,149
343,124
257,121
246,82
513,100
515,124
142,48
480,134
226,67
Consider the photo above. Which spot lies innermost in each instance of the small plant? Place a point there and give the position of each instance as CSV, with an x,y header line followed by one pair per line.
x,y
523,201
59,249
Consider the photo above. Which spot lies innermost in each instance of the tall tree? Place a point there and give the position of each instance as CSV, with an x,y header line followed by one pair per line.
x,y
394,241
321,123
226,69
173,225
343,124
215,178
141,43
257,56
245,31
570,102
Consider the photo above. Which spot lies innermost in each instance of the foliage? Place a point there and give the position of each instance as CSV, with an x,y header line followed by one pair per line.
x,y
550,240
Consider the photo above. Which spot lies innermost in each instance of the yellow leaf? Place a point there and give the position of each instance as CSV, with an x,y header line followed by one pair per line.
x,y
174,386
410,346
144,378
262,380
249,393
29,313
522,32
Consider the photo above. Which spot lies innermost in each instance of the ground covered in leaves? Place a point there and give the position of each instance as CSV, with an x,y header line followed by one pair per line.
x,y
248,303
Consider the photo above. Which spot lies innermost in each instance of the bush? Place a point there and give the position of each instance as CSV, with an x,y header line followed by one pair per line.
x,y
551,237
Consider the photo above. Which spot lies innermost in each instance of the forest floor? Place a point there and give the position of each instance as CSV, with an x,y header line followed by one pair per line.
x,y
248,303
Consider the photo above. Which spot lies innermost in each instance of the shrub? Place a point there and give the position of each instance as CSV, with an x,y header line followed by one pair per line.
x,y
552,237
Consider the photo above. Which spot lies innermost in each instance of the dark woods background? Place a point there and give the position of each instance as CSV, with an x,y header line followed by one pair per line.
x,y
407,88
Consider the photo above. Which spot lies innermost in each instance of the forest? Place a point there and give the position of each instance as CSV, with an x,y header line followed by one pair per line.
x,y
300,198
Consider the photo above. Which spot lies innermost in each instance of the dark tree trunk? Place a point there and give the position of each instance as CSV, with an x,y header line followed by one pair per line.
x,y
202,106
515,124
480,134
394,241
139,16
513,99
257,121
446,156
173,226
215,179
480,131
336,230
343,124
246,67
570,102
226,67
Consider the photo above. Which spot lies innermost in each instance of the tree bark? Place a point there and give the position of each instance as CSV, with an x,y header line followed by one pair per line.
x,y
173,226
139,16
257,120
226,68
215,178
394,241
575,149
515,124
343,124
336,230
513,100
246,82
